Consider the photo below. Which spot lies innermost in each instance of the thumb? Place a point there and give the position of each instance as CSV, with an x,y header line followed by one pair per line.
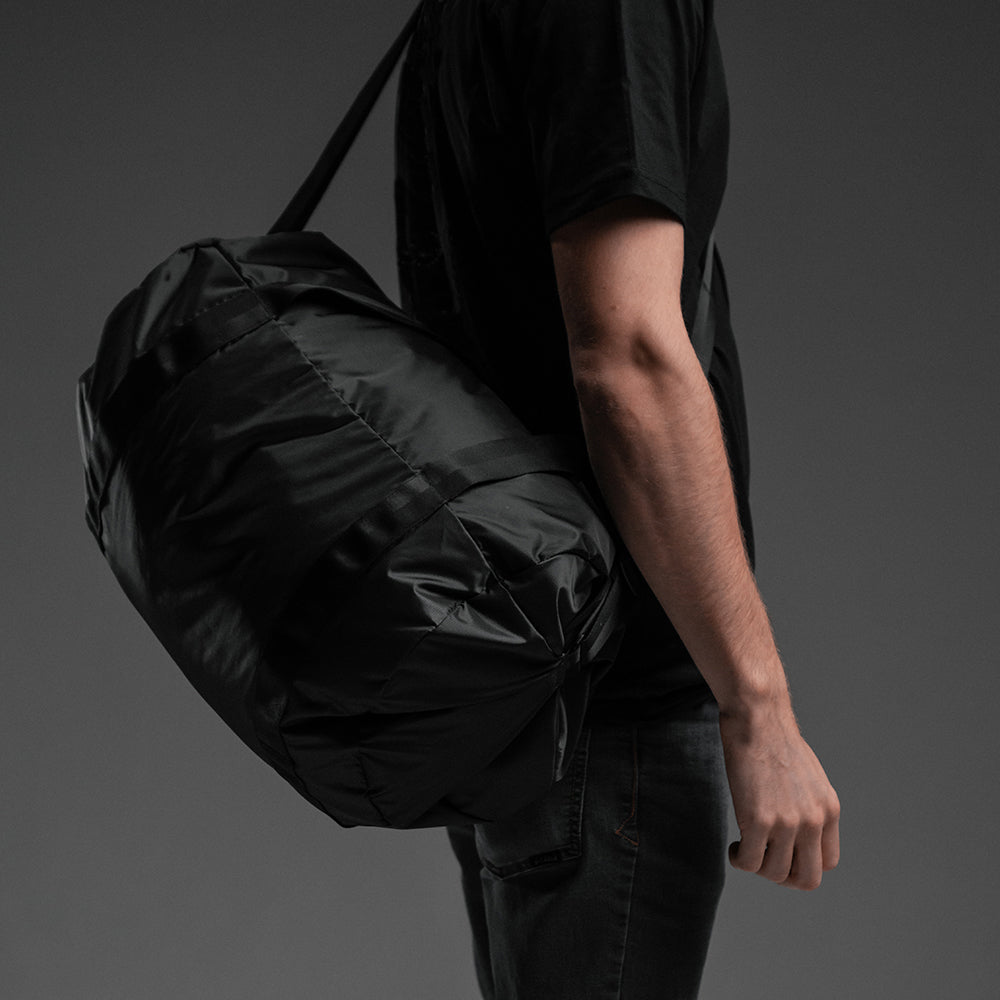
x,y
747,855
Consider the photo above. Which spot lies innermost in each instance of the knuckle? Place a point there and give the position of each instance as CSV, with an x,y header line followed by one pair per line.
x,y
813,821
783,825
762,822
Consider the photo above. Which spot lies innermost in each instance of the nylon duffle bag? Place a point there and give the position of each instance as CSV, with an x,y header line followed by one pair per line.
x,y
389,589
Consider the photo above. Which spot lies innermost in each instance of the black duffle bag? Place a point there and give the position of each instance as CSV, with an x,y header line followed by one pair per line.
x,y
389,589
385,585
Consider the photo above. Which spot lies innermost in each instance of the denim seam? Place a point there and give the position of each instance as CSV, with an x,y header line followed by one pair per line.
x,y
628,924
635,789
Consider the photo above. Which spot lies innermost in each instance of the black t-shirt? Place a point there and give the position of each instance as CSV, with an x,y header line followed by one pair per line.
x,y
514,117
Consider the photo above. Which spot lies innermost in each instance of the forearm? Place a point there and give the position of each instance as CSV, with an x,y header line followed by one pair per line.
x,y
656,448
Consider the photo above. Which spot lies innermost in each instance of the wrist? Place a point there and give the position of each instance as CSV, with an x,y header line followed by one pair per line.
x,y
756,694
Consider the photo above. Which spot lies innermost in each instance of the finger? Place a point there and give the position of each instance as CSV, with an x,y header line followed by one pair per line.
x,y
807,864
831,844
747,854
778,858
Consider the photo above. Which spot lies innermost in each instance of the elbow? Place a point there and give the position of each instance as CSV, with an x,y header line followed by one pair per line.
x,y
641,359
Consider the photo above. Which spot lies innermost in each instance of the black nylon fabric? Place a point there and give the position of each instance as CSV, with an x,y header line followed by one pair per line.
x,y
390,589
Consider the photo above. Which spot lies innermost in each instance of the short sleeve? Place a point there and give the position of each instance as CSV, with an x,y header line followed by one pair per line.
x,y
605,87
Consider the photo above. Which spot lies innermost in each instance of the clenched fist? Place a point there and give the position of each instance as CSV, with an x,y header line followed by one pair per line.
x,y
786,809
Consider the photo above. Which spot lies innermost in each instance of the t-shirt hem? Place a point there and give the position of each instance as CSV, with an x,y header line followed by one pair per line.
x,y
622,181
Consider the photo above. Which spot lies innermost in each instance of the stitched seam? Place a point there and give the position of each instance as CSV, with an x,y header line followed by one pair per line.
x,y
500,581
312,364
426,634
210,307
580,786
635,789
321,375
628,924
369,797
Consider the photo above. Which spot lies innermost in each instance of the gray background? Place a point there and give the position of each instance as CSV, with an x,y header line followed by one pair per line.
x,y
147,853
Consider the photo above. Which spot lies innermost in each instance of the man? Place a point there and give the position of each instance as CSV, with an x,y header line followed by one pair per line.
x,y
560,166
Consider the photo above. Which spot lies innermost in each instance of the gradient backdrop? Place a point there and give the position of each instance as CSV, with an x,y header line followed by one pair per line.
x,y
147,854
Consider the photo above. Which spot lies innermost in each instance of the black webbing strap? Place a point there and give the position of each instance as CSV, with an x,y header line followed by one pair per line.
x,y
305,200
179,351
150,375
702,331
608,616
433,485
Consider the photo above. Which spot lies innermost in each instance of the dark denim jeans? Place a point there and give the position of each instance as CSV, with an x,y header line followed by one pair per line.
x,y
607,888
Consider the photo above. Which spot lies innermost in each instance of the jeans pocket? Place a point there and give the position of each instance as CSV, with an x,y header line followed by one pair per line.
x,y
545,832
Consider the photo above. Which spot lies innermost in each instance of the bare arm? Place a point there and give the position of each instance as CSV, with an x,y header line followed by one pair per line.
x,y
656,447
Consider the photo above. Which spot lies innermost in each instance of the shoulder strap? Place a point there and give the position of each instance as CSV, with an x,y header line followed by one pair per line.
x,y
703,332
305,200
